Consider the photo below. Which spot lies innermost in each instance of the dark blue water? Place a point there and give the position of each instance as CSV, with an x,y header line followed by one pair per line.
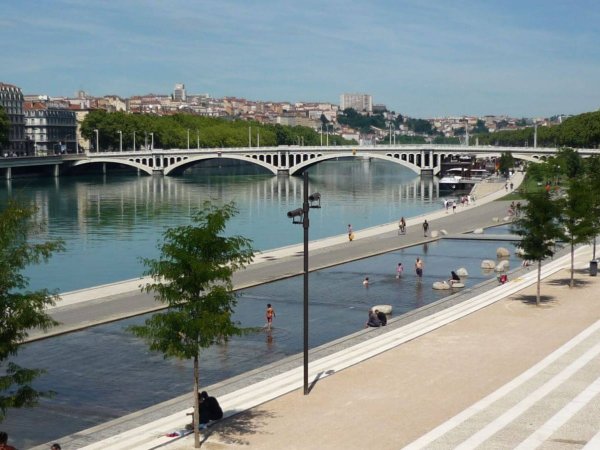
x,y
103,372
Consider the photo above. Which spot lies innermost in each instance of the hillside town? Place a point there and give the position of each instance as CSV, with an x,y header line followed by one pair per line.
x,y
44,124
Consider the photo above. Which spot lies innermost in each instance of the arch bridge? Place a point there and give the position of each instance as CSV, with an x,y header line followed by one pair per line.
x,y
420,158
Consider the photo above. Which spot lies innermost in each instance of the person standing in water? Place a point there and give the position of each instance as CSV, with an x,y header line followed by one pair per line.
x,y
270,315
399,270
419,267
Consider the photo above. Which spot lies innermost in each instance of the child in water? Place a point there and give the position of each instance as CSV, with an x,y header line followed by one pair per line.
x,y
399,270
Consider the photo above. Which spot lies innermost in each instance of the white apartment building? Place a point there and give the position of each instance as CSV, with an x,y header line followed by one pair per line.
x,y
179,92
358,102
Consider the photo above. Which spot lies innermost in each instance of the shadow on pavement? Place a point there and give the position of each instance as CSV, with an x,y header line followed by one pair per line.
x,y
231,431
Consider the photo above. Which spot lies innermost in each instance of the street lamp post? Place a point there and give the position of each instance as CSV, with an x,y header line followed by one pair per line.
x,y
198,139
188,135
321,134
120,140
152,141
97,140
134,140
300,216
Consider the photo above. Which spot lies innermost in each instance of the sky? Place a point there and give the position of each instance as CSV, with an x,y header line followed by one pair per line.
x,y
421,58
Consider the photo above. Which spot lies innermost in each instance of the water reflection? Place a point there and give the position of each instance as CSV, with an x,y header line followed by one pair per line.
x,y
120,217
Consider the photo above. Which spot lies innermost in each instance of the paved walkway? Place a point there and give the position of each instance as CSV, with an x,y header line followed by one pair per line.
x,y
494,372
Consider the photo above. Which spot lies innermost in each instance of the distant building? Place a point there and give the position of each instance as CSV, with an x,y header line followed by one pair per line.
x,y
51,126
358,102
179,92
11,99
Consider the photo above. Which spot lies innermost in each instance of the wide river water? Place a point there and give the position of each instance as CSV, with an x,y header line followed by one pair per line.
x,y
109,222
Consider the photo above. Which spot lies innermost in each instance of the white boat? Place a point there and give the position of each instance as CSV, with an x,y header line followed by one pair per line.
x,y
456,183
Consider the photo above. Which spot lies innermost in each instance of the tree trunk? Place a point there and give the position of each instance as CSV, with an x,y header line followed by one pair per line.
x,y
196,404
572,281
539,279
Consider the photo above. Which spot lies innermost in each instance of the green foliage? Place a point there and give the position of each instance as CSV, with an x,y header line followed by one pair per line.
x,y
420,126
361,122
539,228
193,277
506,163
402,139
570,162
4,127
446,140
480,127
582,131
204,132
20,310
576,217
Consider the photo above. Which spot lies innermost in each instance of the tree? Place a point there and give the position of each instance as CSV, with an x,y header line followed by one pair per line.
x,y
193,278
506,162
593,175
4,128
538,227
576,217
20,310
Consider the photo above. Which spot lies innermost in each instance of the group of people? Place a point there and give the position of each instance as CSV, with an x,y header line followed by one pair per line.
x,y
376,319
514,209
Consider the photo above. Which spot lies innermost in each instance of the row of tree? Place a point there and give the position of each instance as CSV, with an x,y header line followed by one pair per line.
x,y
582,131
179,130
568,211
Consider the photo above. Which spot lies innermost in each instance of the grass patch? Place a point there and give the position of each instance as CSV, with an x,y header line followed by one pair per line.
x,y
529,185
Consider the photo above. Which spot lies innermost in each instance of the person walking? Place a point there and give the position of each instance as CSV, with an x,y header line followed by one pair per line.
x,y
366,282
270,313
425,228
402,226
419,266
350,233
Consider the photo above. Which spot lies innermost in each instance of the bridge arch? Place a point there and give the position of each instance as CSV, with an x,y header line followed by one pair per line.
x,y
119,161
184,163
298,168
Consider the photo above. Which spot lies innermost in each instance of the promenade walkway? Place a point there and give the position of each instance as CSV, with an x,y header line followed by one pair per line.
x,y
102,304
492,372
488,371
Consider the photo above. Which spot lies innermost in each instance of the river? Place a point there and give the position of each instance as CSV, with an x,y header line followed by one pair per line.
x,y
109,222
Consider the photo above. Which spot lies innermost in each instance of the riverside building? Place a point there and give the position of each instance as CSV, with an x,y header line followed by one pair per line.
x,y
11,99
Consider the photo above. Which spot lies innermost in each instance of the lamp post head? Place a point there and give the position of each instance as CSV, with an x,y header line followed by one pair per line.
x,y
296,215
315,200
